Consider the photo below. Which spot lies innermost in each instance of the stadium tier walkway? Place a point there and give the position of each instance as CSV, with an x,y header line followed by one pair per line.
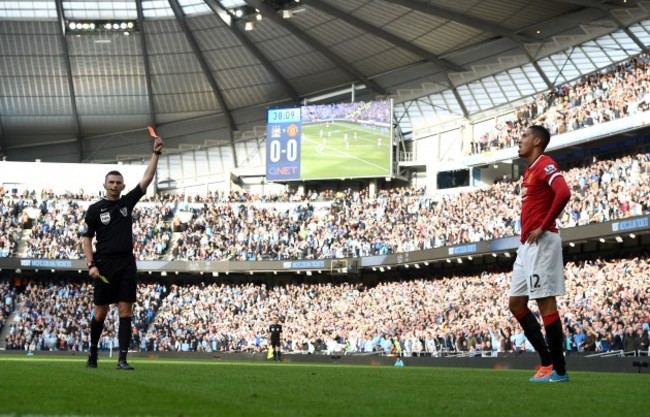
x,y
22,248
10,320
173,244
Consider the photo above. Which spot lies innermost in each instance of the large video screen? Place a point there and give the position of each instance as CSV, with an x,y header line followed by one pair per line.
x,y
344,140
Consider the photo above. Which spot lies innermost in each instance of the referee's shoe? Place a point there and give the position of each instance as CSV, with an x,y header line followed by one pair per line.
x,y
92,361
124,366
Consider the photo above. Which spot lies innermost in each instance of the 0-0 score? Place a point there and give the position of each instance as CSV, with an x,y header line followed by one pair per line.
x,y
276,151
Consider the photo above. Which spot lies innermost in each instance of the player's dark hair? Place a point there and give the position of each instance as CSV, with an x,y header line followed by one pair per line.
x,y
113,172
542,133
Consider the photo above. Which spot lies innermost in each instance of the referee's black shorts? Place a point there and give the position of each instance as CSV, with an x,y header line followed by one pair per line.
x,y
121,272
275,342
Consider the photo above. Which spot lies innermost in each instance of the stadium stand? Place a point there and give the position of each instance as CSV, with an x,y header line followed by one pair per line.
x,y
57,223
423,316
605,309
606,302
240,226
54,314
600,97
349,224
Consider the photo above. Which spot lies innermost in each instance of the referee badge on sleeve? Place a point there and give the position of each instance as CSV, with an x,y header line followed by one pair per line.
x,y
105,217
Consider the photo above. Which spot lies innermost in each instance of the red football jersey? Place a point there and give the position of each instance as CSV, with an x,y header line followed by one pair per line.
x,y
537,194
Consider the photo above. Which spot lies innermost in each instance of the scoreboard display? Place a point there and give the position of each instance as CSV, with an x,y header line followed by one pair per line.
x,y
330,141
283,144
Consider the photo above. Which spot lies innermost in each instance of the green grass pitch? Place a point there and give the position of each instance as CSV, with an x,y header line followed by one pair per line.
x,y
344,150
63,386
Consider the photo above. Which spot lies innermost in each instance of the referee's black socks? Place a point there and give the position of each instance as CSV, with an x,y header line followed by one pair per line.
x,y
96,328
124,336
533,332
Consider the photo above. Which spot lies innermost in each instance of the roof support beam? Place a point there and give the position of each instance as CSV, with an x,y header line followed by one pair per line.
x,y
608,9
399,42
539,70
585,3
270,13
219,11
68,68
629,33
145,61
476,24
463,108
473,22
389,37
232,126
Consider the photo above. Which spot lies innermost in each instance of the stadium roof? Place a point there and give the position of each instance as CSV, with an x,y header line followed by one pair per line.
x,y
81,79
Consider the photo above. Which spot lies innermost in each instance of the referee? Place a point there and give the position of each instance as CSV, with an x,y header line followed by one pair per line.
x,y
112,266
276,330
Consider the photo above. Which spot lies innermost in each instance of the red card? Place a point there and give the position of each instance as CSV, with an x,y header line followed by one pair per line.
x,y
152,132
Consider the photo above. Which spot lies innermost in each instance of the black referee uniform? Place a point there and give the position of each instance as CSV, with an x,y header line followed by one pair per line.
x,y
111,223
276,330
111,262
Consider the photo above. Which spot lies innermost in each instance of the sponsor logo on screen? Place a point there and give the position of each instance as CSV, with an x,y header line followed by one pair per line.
x,y
46,263
460,250
303,264
630,225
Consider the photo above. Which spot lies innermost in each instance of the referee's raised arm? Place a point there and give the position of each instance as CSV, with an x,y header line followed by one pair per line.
x,y
153,164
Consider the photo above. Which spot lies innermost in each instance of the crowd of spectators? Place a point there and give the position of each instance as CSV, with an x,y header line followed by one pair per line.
x,y
404,219
374,111
152,231
239,226
607,301
600,97
55,223
57,228
55,315
608,190
605,309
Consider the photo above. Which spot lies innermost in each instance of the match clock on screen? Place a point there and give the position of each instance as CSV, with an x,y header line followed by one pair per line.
x,y
284,116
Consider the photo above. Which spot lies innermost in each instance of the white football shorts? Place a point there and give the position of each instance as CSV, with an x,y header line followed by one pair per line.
x,y
539,268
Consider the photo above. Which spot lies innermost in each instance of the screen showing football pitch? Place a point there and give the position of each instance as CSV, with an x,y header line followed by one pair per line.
x,y
344,140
